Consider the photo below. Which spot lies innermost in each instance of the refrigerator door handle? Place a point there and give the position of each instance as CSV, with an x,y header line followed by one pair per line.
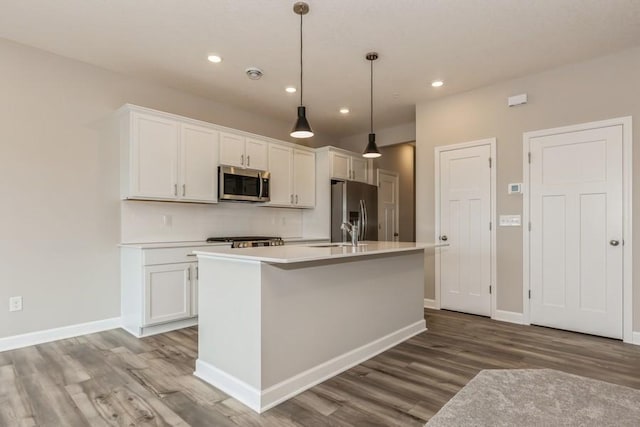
x,y
366,220
363,220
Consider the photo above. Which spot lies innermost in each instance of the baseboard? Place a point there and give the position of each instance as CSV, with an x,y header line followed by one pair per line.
x,y
55,334
430,303
636,338
161,328
260,401
509,316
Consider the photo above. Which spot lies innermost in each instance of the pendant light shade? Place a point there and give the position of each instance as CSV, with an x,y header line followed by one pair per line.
x,y
301,129
371,152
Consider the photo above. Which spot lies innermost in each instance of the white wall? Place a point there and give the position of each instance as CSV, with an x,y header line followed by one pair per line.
x,y
143,221
598,89
60,212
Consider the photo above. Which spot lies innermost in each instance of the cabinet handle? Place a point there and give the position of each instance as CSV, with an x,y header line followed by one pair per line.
x,y
248,160
198,273
242,159
175,189
184,189
296,199
292,199
189,273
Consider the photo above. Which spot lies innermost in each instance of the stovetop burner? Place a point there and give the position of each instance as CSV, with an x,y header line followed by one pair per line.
x,y
248,241
241,238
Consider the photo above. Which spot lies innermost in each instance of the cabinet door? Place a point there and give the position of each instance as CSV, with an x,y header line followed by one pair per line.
x,y
154,157
359,169
231,149
280,168
340,166
304,178
194,288
257,155
167,293
199,164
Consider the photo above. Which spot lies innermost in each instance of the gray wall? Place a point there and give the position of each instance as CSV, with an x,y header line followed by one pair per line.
x,y
598,89
401,158
60,216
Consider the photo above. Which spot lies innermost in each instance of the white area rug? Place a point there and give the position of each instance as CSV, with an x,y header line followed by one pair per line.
x,y
539,397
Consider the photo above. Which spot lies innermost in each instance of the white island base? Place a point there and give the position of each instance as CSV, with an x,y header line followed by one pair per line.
x,y
269,330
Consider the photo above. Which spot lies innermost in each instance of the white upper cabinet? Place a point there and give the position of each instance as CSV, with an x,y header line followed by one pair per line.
x,y
348,166
164,158
256,154
231,149
154,157
280,167
243,152
293,177
304,178
359,169
198,164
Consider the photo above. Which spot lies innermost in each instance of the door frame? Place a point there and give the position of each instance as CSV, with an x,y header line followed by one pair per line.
x,y
627,180
491,142
397,190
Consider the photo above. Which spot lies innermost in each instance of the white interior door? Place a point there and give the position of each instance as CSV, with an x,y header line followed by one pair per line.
x,y
465,217
388,206
576,231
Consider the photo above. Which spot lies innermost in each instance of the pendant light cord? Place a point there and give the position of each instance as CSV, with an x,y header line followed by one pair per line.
x,y
301,88
371,95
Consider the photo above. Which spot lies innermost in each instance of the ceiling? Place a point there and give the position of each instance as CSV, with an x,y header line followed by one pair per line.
x,y
466,43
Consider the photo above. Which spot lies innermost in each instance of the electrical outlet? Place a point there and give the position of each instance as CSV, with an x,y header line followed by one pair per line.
x,y
15,303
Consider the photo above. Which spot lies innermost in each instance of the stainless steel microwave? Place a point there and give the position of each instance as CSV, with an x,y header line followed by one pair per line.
x,y
243,185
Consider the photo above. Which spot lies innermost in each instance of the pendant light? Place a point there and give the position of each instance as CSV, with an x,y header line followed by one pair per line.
x,y
301,129
371,152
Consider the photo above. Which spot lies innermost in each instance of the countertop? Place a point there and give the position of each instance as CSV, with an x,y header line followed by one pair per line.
x,y
156,245
312,252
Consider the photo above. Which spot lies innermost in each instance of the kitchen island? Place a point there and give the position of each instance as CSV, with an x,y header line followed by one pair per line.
x,y
275,321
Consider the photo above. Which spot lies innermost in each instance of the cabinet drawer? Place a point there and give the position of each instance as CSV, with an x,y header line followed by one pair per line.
x,y
171,255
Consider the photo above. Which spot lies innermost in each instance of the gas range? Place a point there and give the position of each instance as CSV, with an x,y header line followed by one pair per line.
x,y
248,241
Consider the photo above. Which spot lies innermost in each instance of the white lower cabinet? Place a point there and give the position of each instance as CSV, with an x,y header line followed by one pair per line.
x,y
167,293
159,289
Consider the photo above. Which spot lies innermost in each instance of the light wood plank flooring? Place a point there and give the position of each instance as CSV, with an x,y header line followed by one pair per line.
x,y
113,379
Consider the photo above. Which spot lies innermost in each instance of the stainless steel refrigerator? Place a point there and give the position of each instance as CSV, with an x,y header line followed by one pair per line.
x,y
350,202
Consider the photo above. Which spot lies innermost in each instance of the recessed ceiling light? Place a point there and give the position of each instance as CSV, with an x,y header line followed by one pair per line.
x,y
344,110
437,83
214,58
291,89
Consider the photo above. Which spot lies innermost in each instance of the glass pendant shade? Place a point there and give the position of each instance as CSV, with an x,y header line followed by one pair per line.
x,y
371,152
302,129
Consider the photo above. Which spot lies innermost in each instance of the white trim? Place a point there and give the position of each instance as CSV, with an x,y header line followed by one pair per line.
x,y
431,303
627,186
508,316
492,142
636,338
260,401
148,331
55,334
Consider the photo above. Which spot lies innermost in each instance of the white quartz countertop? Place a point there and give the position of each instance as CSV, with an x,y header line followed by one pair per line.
x,y
156,245
312,252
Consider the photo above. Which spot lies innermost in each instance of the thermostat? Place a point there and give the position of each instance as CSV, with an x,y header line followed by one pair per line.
x,y
515,188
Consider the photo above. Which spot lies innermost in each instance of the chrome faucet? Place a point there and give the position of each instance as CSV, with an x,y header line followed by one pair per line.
x,y
353,230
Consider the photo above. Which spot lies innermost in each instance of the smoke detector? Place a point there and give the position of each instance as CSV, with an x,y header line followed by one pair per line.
x,y
254,73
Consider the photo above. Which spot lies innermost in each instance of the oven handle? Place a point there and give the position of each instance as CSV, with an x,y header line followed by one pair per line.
x,y
261,184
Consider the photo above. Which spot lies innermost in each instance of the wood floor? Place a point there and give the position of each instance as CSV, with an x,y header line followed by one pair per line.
x,y
113,379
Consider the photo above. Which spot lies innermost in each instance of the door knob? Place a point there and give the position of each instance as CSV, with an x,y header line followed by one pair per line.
x,y
614,242
444,238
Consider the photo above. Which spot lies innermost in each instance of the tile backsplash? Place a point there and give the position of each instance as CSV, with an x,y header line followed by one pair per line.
x,y
143,221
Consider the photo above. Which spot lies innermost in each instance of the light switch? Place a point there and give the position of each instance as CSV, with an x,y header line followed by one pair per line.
x,y
510,221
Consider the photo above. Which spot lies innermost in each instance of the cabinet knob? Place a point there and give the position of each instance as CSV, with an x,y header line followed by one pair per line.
x,y
444,238
614,242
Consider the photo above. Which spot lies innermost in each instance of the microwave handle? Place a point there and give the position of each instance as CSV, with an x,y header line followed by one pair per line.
x,y
261,184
